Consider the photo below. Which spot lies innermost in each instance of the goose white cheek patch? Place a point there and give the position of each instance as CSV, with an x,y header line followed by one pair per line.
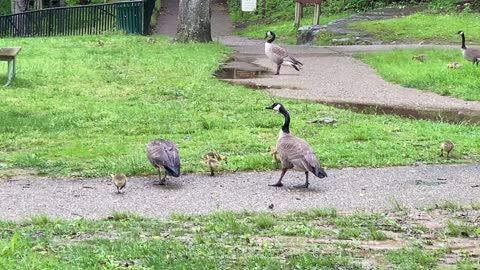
x,y
277,108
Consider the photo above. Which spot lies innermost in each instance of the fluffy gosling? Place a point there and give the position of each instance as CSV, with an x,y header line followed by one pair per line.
x,y
119,180
446,146
420,57
273,153
454,65
212,160
151,40
100,42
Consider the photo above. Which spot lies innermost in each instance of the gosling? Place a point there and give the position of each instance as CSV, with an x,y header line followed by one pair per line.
x,y
420,57
212,160
446,146
119,180
151,40
454,65
273,153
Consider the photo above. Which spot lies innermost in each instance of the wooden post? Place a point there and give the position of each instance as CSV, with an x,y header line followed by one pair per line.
x,y
298,14
316,14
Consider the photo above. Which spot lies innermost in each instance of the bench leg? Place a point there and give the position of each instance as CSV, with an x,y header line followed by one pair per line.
x,y
9,73
14,68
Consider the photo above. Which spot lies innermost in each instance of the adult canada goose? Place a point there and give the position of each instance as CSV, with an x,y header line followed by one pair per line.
x,y
446,146
164,153
212,160
293,152
279,55
119,180
472,55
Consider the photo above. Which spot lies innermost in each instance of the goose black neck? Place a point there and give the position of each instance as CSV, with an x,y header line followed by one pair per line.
x,y
463,42
271,38
286,125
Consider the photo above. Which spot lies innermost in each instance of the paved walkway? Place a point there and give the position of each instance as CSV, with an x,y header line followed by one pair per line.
x,y
329,74
346,189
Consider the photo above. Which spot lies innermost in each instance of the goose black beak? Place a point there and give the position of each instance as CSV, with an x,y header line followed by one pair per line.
x,y
269,108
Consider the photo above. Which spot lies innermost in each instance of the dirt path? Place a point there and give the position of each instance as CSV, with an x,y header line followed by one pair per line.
x,y
345,189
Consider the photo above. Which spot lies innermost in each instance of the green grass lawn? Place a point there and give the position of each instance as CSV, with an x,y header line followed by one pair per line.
x,y
77,108
313,239
431,27
433,74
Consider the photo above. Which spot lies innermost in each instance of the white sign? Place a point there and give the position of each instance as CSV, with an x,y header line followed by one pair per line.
x,y
249,5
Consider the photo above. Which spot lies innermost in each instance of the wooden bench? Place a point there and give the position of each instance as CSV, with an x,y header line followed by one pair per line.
x,y
9,54
299,11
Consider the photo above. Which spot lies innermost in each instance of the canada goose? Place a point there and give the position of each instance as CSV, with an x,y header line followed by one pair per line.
x,y
420,57
293,152
279,55
446,146
119,180
454,65
472,55
212,160
273,153
164,153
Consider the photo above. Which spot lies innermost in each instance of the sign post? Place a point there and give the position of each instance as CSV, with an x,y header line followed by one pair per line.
x,y
249,5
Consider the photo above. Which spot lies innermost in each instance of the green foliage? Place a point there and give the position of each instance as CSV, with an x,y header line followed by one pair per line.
x,y
432,74
5,7
462,229
430,27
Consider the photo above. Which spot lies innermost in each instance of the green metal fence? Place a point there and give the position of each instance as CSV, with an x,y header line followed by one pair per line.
x,y
78,20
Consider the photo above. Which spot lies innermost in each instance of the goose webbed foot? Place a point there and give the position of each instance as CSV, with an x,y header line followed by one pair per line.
x,y
278,184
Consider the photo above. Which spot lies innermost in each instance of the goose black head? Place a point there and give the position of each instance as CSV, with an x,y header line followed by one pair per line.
x,y
270,36
460,33
275,106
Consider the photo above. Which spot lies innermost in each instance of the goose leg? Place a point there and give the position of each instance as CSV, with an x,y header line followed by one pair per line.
x,y
306,182
279,183
441,152
161,180
278,69
211,172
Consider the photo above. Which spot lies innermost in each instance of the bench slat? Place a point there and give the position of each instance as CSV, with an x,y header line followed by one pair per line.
x,y
7,54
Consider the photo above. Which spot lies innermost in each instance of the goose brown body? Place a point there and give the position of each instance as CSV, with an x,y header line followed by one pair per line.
x,y
163,153
294,152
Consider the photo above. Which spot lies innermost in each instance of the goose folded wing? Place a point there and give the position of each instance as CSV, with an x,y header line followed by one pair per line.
x,y
279,51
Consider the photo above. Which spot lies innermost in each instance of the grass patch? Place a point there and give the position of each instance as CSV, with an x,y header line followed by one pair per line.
x,y
431,27
433,74
215,242
284,29
77,108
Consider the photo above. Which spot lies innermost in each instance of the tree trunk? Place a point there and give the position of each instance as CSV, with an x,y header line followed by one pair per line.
x,y
194,21
19,6
19,23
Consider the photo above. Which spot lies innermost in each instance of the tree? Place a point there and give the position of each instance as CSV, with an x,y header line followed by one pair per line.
x,y
194,21
19,6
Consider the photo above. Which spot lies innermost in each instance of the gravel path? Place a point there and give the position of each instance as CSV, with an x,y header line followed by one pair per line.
x,y
346,189
329,74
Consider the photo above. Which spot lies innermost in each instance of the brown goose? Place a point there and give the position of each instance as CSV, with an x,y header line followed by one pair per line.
x,y
164,153
293,152
472,55
279,55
